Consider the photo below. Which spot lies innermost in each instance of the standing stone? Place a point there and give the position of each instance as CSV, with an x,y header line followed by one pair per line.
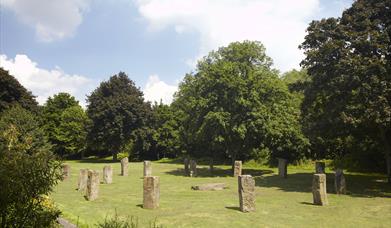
x,y
246,193
66,171
82,181
107,174
320,167
339,182
92,185
319,189
238,168
282,167
193,168
186,163
151,194
147,168
124,166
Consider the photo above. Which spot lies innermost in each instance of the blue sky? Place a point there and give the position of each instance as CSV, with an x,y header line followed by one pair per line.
x,y
55,45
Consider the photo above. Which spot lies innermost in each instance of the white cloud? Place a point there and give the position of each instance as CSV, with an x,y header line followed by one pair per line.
x,y
279,24
51,19
156,90
44,83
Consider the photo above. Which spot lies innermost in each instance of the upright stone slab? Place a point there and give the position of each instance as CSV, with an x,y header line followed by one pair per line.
x,y
147,168
151,194
107,174
82,181
124,166
282,167
319,189
66,171
92,185
246,185
193,168
340,182
237,168
186,163
320,167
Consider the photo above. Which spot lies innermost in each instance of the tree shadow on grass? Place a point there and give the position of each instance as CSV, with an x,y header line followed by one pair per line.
x,y
358,185
233,208
219,172
96,161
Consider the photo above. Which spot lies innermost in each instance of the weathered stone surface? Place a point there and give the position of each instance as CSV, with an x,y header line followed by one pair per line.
x,y
151,194
340,182
282,167
147,168
107,174
238,168
82,181
193,168
320,167
186,163
92,185
124,166
66,171
246,185
210,187
319,189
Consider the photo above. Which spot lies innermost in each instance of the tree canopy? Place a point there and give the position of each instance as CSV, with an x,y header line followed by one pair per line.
x,y
235,105
116,109
347,105
12,92
54,124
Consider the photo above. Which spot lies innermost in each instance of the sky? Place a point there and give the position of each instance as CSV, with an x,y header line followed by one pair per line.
x,y
54,46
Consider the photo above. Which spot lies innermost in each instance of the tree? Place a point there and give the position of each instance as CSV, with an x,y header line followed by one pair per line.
x,y
52,118
167,131
28,171
348,100
235,105
12,92
72,131
116,109
297,81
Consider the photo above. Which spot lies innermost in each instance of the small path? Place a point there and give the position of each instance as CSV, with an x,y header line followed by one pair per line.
x,y
64,223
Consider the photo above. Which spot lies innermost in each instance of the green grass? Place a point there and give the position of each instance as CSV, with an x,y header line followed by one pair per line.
x,y
279,202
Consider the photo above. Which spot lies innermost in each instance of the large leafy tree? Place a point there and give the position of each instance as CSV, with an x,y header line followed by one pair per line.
x,y
28,171
235,105
116,109
72,131
12,92
52,118
349,62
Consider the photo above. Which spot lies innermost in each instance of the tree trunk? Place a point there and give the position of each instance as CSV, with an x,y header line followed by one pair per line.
x,y
211,165
233,158
387,153
115,157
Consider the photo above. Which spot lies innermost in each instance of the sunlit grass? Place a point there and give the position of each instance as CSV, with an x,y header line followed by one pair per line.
x,y
279,202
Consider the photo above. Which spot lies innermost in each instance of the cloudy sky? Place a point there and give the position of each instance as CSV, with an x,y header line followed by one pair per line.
x,y
52,46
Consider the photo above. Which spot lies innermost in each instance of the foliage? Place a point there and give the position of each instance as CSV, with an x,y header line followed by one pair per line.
x,y
28,171
12,92
160,139
347,105
235,105
72,131
297,81
118,222
116,109
58,125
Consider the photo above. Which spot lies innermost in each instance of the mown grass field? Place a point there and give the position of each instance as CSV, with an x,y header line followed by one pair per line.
x,y
279,202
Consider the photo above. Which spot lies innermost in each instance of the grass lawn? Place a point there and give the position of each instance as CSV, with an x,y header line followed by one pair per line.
x,y
279,202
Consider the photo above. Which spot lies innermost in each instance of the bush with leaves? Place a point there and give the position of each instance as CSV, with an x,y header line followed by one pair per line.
x,y
28,171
